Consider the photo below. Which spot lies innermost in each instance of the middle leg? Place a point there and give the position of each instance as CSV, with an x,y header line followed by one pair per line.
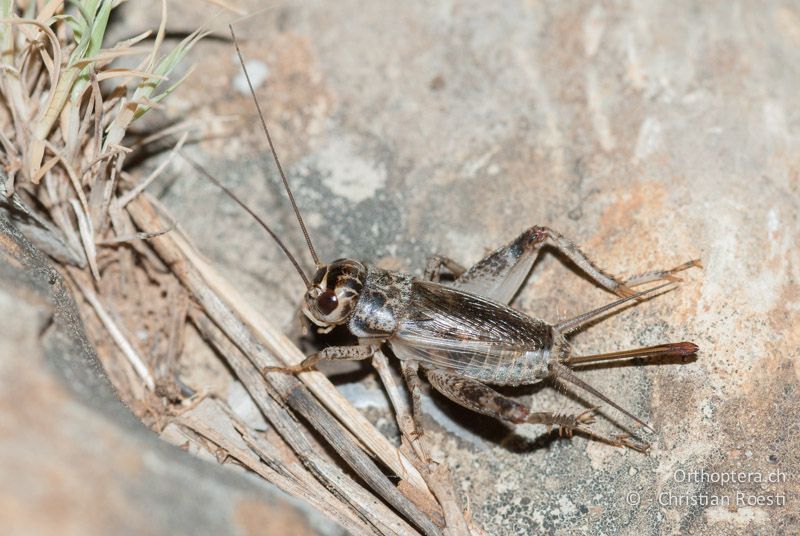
x,y
433,269
410,370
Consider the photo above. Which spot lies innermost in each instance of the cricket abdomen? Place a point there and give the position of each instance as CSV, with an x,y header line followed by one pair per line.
x,y
518,370
507,368
497,368
466,334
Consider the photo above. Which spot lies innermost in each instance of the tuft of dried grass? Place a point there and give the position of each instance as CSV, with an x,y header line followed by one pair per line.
x,y
64,114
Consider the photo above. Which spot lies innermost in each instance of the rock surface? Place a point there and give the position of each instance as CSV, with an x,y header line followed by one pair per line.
x,y
650,133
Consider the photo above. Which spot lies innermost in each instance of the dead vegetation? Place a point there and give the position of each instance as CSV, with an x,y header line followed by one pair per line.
x,y
64,116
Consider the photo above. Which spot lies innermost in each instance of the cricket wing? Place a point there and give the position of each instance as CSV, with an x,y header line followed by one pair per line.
x,y
449,328
500,285
470,358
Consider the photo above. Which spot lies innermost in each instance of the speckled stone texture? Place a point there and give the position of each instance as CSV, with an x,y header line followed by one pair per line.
x,y
648,132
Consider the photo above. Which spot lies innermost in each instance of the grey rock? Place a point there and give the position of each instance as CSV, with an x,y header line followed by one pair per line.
x,y
649,133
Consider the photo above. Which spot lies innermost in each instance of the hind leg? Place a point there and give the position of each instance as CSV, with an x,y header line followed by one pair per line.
x,y
500,274
601,277
481,398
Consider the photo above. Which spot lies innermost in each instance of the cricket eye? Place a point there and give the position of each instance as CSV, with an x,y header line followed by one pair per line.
x,y
327,302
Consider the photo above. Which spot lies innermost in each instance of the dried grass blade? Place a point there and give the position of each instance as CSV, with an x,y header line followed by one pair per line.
x,y
116,334
227,6
401,408
130,238
320,499
73,177
125,199
107,56
48,10
438,480
108,74
291,431
87,237
136,39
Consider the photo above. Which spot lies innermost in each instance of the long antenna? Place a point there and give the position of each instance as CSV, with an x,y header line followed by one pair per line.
x,y
274,152
233,196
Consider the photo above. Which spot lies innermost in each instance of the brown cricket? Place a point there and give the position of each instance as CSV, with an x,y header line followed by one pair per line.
x,y
463,334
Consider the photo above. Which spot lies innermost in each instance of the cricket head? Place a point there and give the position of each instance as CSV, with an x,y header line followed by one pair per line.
x,y
333,292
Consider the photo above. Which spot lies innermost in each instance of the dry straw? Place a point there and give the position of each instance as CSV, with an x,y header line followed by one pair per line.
x,y
65,115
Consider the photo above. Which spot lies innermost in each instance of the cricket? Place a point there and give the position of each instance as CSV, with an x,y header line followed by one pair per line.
x,y
456,325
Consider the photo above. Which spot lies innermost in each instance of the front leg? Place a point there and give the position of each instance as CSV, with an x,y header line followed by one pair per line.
x,y
343,353
481,398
